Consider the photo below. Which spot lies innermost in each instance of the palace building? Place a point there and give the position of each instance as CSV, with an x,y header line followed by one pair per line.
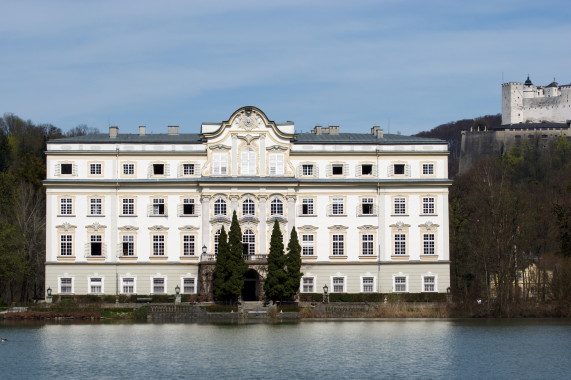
x,y
141,213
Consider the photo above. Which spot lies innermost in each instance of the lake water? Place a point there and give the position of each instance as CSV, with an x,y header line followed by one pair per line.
x,y
395,349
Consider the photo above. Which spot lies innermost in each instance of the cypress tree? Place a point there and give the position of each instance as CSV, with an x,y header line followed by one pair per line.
x,y
274,286
236,264
221,270
293,264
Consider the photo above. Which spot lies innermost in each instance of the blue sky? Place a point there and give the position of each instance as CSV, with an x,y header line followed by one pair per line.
x,y
407,66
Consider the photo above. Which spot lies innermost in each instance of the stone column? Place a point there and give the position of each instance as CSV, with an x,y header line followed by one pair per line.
x,y
262,158
233,205
263,245
234,156
205,202
290,213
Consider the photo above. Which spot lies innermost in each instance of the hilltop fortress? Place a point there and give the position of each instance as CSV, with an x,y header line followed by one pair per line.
x,y
528,112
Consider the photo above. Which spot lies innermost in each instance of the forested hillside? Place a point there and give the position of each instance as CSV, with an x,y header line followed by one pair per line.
x,y
22,205
452,132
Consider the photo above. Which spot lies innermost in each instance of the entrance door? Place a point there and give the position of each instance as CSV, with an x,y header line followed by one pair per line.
x,y
250,289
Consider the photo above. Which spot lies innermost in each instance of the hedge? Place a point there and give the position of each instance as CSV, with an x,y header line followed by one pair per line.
x,y
374,297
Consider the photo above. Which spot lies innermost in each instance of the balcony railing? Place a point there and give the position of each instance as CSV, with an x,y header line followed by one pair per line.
x,y
212,257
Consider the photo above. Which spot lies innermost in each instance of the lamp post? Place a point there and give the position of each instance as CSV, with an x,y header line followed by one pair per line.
x,y
49,295
325,293
204,252
177,294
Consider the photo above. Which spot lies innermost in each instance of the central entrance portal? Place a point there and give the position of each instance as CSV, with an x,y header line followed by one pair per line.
x,y
250,291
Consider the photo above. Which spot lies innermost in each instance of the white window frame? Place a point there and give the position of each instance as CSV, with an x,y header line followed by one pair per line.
x,y
428,168
307,284
128,204
399,206
428,205
428,243
337,281
307,170
154,285
93,284
337,166
67,164
95,169
219,163
96,239
338,244
128,168
66,245
188,201
186,283
400,283
130,286
128,242
66,206
371,284
429,283
188,245
158,244
307,245
69,282
220,207
399,244
368,201
95,206
337,206
276,207
155,166
188,169
307,204
249,237
248,207
156,207
276,164
367,244
248,162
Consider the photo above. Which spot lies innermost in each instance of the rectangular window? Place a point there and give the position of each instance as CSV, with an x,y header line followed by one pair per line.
x,y
188,245
337,169
400,244
400,206
338,284
428,244
128,286
188,286
307,169
66,206
427,169
158,285
65,285
368,283
220,163
400,284
428,205
367,244
308,285
337,206
188,206
95,206
276,164
128,206
95,285
307,245
367,169
399,169
429,282
66,245
66,169
158,206
367,206
94,169
187,169
158,169
128,245
158,245
96,245
307,206
338,245
128,169
248,164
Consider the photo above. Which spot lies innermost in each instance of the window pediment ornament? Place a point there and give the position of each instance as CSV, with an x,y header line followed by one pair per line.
x,y
338,227
399,226
188,228
158,228
429,226
95,227
308,228
66,227
220,147
367,228
276,148
249,220
128,228
248,138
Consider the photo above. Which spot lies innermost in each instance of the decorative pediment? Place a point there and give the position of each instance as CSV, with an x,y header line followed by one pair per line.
x,y
248,138
158,228
66,227
279,218
399,226
307,228
338,227
128,228
95,227
220,147
188,228
367,228
249,220
276,148
429,226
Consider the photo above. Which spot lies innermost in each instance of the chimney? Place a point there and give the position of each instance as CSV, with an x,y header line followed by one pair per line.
x,y
173,129
113,132
377,131
317,130
333,129
141,130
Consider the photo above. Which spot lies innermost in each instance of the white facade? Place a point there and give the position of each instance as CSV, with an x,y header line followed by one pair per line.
x,y
527,103
132,214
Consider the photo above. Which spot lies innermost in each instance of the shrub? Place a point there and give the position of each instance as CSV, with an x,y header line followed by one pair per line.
x,y
140,313
220,308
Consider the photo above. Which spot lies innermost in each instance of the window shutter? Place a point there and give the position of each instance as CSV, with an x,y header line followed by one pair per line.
x,y
316,168
358,171
375,170
75,170
150,171
391,170
329,170
179,209
167,170
87,249
180,170
346,170
197,169
57,170
407,170
104,249
149,210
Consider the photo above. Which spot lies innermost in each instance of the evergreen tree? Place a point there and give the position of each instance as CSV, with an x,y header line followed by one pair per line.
x,y
293,265
275,285
236,264
221,270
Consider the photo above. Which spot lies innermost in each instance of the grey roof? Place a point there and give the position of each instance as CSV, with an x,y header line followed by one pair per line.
x,y
523,126
302,138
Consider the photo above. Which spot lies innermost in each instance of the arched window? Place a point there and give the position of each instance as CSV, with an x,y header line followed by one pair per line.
x,y
248,207
249,242
248,162
216,241
220,207
276,207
